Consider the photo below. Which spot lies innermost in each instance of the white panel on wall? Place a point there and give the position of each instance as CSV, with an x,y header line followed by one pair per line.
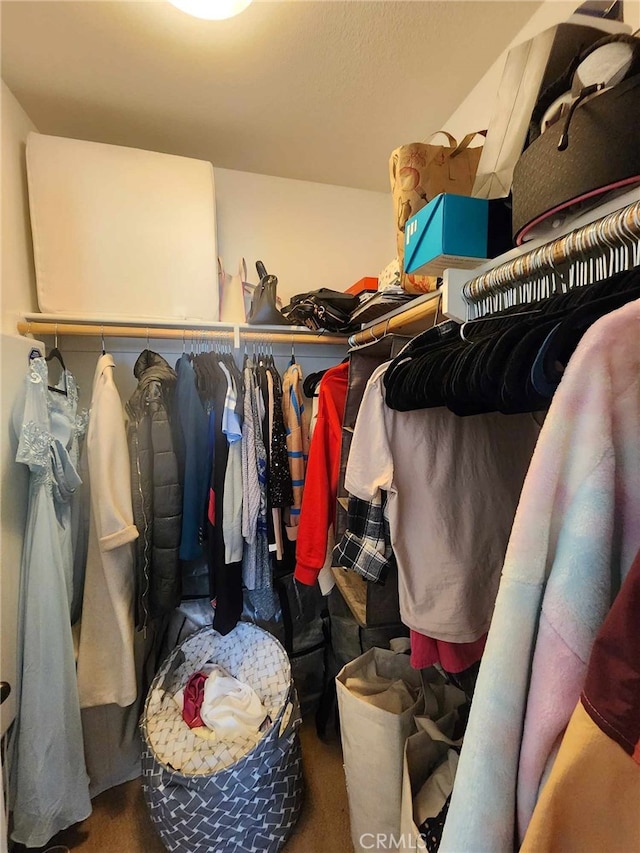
x,y
309,235
18,274
120,231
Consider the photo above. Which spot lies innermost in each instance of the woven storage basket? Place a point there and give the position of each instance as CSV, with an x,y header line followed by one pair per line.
x,y
208,796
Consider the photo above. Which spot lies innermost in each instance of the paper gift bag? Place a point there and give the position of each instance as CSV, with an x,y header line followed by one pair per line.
x,y
232,293
418,173
379,694
430,762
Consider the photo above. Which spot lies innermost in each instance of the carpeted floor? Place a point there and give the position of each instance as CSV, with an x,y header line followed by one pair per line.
x,y
120,821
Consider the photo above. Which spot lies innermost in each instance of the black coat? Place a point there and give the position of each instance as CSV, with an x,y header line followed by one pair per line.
x,y
156,489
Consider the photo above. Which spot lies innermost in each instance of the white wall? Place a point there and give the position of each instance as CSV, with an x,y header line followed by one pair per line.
x,y
309,235
18,295
475,111
632,14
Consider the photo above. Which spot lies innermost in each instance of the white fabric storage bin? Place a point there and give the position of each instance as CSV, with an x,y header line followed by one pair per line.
x,y
122,232
379,694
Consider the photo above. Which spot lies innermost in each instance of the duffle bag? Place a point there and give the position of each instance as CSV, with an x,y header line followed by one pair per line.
x,y
219,795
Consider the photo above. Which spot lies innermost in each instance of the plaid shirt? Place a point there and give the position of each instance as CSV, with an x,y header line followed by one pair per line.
x,y
365,547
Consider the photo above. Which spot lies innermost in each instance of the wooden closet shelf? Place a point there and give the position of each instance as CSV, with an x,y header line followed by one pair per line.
x,y
407,320
39,325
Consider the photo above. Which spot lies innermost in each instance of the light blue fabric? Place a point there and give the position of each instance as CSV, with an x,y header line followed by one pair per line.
x,y
49,786
231,425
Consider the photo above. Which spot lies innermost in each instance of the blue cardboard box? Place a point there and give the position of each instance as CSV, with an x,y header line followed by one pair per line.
x,y
451,231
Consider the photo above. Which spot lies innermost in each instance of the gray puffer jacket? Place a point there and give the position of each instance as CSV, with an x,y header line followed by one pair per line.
x,y
156,489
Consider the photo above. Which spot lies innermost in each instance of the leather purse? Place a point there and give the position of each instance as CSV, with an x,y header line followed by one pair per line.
x,y
264,310
323,309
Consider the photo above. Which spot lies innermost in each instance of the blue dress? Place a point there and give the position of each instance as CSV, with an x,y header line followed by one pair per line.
x,y
49,787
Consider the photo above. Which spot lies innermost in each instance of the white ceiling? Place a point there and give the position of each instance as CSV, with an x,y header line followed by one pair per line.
x,y
321,91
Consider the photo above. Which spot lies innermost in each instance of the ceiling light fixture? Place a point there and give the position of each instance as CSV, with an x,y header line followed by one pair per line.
x,y
211,10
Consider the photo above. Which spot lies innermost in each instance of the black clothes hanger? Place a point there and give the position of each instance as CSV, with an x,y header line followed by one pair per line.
x,y
55,353
567,335
490,367
311,382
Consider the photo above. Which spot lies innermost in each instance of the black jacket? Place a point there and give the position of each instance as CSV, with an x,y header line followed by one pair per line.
x,y
156,489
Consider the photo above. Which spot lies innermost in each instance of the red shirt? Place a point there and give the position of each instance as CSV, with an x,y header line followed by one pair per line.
x,y
318,509
452,657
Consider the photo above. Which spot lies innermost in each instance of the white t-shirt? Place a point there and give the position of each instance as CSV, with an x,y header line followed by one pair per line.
x,y
454,485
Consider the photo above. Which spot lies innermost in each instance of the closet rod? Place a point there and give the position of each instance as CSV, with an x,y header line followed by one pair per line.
x,y
409,321
50,327
611,232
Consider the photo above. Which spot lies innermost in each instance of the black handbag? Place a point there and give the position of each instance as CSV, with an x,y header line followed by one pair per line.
x,y
264,310
592,149
322,309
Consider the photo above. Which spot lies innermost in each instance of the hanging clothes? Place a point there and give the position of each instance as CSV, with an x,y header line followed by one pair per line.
x,y
106,665
226,577
453,486
264,399
256,561
48,789
155,488
454,658
274,513
193,429
232,500
321,484
575,535
280,481
297,442
365,547
311,389
590,800
206,495
250,482
362,363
